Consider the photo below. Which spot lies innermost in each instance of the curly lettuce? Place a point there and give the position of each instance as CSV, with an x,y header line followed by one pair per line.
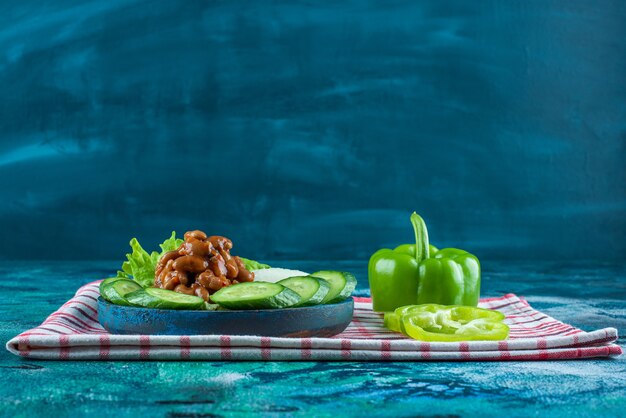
x,y
140,265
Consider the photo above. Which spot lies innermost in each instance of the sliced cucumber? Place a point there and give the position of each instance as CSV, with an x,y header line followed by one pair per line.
x,y
115,290
312,290
108,281
255,295
153,297
341,284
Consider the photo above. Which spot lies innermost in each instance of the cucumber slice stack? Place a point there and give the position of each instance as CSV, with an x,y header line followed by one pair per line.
x,y
126,292
322,287
115,290
341,283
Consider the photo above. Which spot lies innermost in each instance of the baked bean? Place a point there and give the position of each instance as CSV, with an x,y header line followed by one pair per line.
x,y
215,284
196,247
195,234
221,242
200,291
232,270
181,288
243,275
170,255
218,265
190,264
205,277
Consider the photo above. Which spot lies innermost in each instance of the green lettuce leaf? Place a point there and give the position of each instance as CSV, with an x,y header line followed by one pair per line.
x,y
123,275
253,265
140,265
171,243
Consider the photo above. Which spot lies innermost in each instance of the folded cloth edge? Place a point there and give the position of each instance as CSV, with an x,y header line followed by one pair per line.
x,y
602,336
158,353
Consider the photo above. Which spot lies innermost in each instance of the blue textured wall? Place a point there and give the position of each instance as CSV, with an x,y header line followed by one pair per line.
x,y
306,131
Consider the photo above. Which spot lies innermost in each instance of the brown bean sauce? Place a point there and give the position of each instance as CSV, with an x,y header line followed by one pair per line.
x,y
201,266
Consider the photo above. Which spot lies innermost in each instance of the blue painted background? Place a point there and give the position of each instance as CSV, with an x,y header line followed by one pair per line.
x,y
305,131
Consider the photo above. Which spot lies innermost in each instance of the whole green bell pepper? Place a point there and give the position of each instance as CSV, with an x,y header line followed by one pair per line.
x,y
417,274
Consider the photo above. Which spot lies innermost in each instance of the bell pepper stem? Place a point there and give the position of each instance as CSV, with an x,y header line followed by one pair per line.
x,y
421,237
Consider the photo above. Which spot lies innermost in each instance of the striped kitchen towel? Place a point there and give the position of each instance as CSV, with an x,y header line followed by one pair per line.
x,y
74,333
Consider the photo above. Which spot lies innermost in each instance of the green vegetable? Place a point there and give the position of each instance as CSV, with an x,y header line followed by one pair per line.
x,y
432,322
115,290
210,306
154,297
311,290
140,265
417,274
392,322
253,265
109,281
255,295
342,284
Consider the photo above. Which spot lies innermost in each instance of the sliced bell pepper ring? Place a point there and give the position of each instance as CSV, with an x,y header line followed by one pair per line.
x,y
476,330
395,318
432,322
392,321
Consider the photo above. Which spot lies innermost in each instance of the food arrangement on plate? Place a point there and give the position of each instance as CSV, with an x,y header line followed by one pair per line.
x,y
425,293
200,273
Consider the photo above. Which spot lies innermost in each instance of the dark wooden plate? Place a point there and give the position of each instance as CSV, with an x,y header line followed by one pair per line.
x,y
310,321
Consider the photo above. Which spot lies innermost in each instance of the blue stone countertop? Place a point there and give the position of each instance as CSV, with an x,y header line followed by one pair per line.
x,y
585,294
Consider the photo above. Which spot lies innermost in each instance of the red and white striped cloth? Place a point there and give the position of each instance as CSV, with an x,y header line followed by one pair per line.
x,y
73,333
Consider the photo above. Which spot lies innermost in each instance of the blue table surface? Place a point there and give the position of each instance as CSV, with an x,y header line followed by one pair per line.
x,y
586,294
